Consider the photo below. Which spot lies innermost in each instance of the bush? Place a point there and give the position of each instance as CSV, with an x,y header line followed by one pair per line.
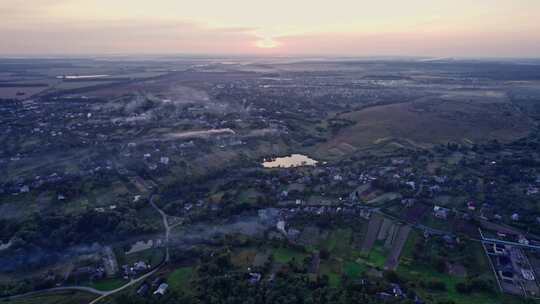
x,y
392,276
436,285
462,288
439,264
474,285
324,254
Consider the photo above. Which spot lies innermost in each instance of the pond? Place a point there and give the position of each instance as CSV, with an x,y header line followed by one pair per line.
x,y
5,246
81,76
294,160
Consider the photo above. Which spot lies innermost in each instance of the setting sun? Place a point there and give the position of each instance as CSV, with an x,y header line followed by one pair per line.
x,y
342,27
267,43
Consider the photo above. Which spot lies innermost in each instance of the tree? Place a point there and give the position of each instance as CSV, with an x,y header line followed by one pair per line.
x,y
324,254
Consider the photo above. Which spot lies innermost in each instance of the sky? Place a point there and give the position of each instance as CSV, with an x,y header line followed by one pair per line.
x,y
434,28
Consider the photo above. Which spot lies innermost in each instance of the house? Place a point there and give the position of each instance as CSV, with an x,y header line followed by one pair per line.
x,y
164,160
281,226
499,249
449,240
435,188
515,217
532,190
408,202
471,206
140,266
143,290
397,161
527,274
397,291
157,281
82,272
441,212
293,233
254,277
523,240
440,179
162,289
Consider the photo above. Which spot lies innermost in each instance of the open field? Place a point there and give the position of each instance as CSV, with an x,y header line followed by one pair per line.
x,y
179,279
107,284
64,297
423,271
373,229
397,246
429,121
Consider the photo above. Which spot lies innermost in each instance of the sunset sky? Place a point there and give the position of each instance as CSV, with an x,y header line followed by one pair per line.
x,y
460,28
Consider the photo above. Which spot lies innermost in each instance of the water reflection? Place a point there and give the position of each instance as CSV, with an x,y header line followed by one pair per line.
x,y
294,160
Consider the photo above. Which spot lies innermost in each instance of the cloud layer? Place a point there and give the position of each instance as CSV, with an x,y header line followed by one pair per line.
x,y
302,27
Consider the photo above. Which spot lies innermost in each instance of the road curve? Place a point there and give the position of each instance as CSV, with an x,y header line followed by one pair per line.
x,y
165,261
56,289
103,294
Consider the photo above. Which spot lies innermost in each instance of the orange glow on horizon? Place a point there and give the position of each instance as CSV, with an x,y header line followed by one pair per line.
x,y
267,43
498,28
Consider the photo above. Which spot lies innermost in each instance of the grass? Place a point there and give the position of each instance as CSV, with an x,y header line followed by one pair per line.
x,y
431,221
419,272
345,259
179,279
244,258
249,196
406,123
343,256
376,257
338,242
353,269
416,271
64,297
332,269
284,255
384,198
107,284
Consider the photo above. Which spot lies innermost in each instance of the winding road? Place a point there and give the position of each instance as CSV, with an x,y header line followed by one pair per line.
x,y
103,294
165,225
146,275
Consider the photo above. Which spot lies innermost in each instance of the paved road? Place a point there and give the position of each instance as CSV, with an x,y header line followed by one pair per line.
x,y
103,294
165,261
56,289
165,225
131,283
